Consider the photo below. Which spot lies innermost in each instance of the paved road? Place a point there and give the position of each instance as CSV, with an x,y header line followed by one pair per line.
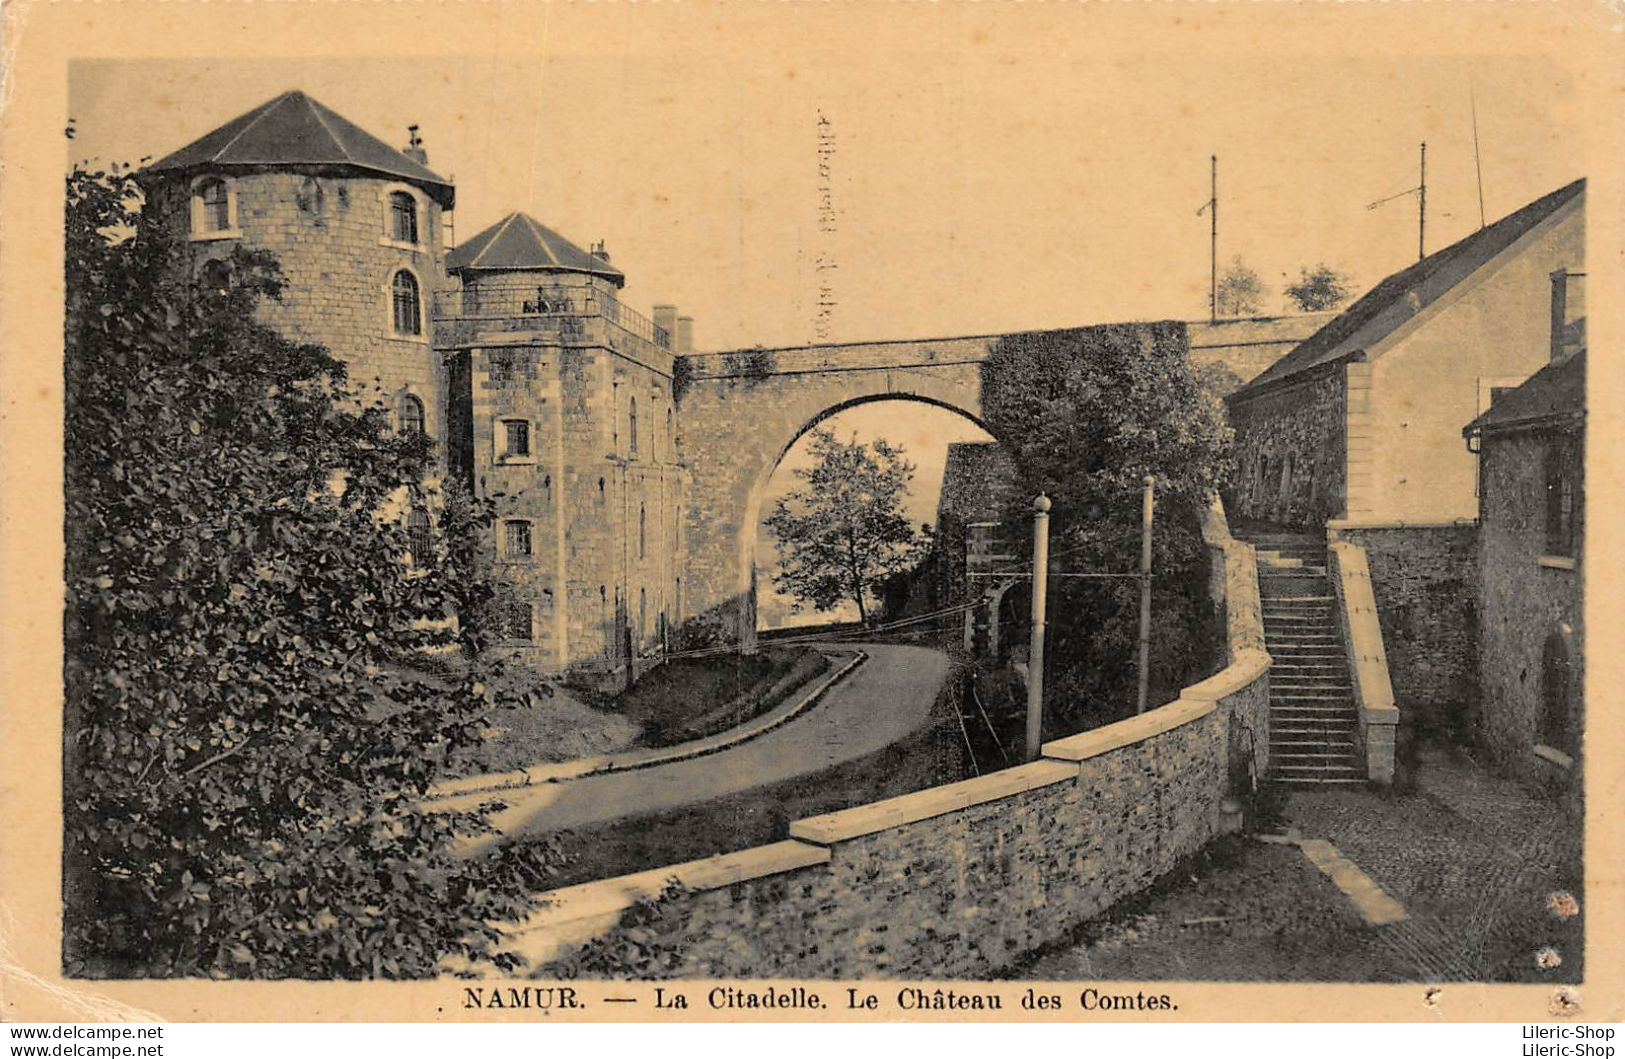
x,y
884,700
1473,860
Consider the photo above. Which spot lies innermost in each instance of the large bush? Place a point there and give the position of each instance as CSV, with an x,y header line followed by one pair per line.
x,y
1086,414
250,722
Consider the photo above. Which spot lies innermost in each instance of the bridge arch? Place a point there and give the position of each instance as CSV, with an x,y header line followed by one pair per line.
x,y
740,414
761,490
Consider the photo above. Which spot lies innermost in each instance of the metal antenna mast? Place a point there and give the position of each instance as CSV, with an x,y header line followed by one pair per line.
x,y
1478,162
1421,193
1211,207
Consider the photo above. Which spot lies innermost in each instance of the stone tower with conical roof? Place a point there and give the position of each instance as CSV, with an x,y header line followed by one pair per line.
x,y
355,224
513,351
562,409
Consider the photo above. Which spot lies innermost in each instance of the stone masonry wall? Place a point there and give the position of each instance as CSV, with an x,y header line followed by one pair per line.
x,y
957,880
1524,598
328,233
1424,580
1291,452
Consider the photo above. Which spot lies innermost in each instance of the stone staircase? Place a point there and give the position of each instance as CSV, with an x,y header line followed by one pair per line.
x,y
1314,723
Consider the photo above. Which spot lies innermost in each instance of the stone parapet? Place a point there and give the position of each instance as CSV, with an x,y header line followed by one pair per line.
x,y
1367,660
959,879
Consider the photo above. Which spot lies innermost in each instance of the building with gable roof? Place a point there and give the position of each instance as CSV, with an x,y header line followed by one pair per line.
x,y
1354,436
1360,422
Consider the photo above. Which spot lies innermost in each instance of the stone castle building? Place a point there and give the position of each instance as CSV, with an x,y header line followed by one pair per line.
x,y
627,491
512,351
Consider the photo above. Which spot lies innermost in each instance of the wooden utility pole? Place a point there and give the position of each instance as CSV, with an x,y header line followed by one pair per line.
x,y
1035,658
1146,506
1422,208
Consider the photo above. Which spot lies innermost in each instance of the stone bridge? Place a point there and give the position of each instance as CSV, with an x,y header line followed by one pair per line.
x,y
741,411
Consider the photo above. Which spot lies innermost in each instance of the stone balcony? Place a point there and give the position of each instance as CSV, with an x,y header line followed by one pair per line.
x,y
571,311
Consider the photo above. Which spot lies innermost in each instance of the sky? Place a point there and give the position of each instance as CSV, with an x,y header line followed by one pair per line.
x,y
992,168
987,175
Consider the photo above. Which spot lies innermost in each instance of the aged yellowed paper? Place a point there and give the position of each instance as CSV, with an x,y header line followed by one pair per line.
x,y
970,511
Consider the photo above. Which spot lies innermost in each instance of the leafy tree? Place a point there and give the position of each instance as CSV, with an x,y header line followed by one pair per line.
x,y
1241,292
1318,289
250,720
1086,414
845,533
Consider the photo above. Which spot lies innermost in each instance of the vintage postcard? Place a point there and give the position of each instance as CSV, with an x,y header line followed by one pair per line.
x,y
866,512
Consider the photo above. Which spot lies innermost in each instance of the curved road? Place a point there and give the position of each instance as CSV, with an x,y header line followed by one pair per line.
x,y
882,701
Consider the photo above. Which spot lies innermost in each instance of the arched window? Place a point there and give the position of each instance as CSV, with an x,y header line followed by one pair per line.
x,y
411,415
214,205
632,425
418,536
1556,722
403,217
643,530
408,311
643,612
671,439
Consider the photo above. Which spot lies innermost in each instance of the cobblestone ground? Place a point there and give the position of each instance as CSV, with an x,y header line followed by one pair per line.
x,y
1475,860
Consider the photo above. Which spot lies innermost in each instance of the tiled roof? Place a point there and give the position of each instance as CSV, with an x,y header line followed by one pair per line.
x,y
1555,393
295,130
1404,294
520,242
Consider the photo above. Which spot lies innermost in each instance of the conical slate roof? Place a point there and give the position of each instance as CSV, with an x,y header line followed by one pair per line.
x,y
520,242
294,130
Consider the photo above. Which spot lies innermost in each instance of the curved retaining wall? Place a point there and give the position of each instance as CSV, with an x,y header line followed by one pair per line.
x,y
962,879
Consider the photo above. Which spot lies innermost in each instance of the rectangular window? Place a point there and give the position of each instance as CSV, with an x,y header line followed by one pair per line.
x,y
517,620
403,212
1560,497
517,539
515,437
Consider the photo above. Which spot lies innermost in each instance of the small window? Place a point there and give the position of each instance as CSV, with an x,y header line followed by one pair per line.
x,y
408,312
515,438
214,205
517,617
215,276
643,530
632,426
419,538
403,217
1560,497
1556,723
411,415
643,612
517,538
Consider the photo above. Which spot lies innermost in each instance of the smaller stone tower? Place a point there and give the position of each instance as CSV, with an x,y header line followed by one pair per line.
x,y
561,408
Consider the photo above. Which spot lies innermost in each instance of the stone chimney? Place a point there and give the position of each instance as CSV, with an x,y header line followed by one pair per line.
x,y
600,252
685,336
1568,314
666,320
414,146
